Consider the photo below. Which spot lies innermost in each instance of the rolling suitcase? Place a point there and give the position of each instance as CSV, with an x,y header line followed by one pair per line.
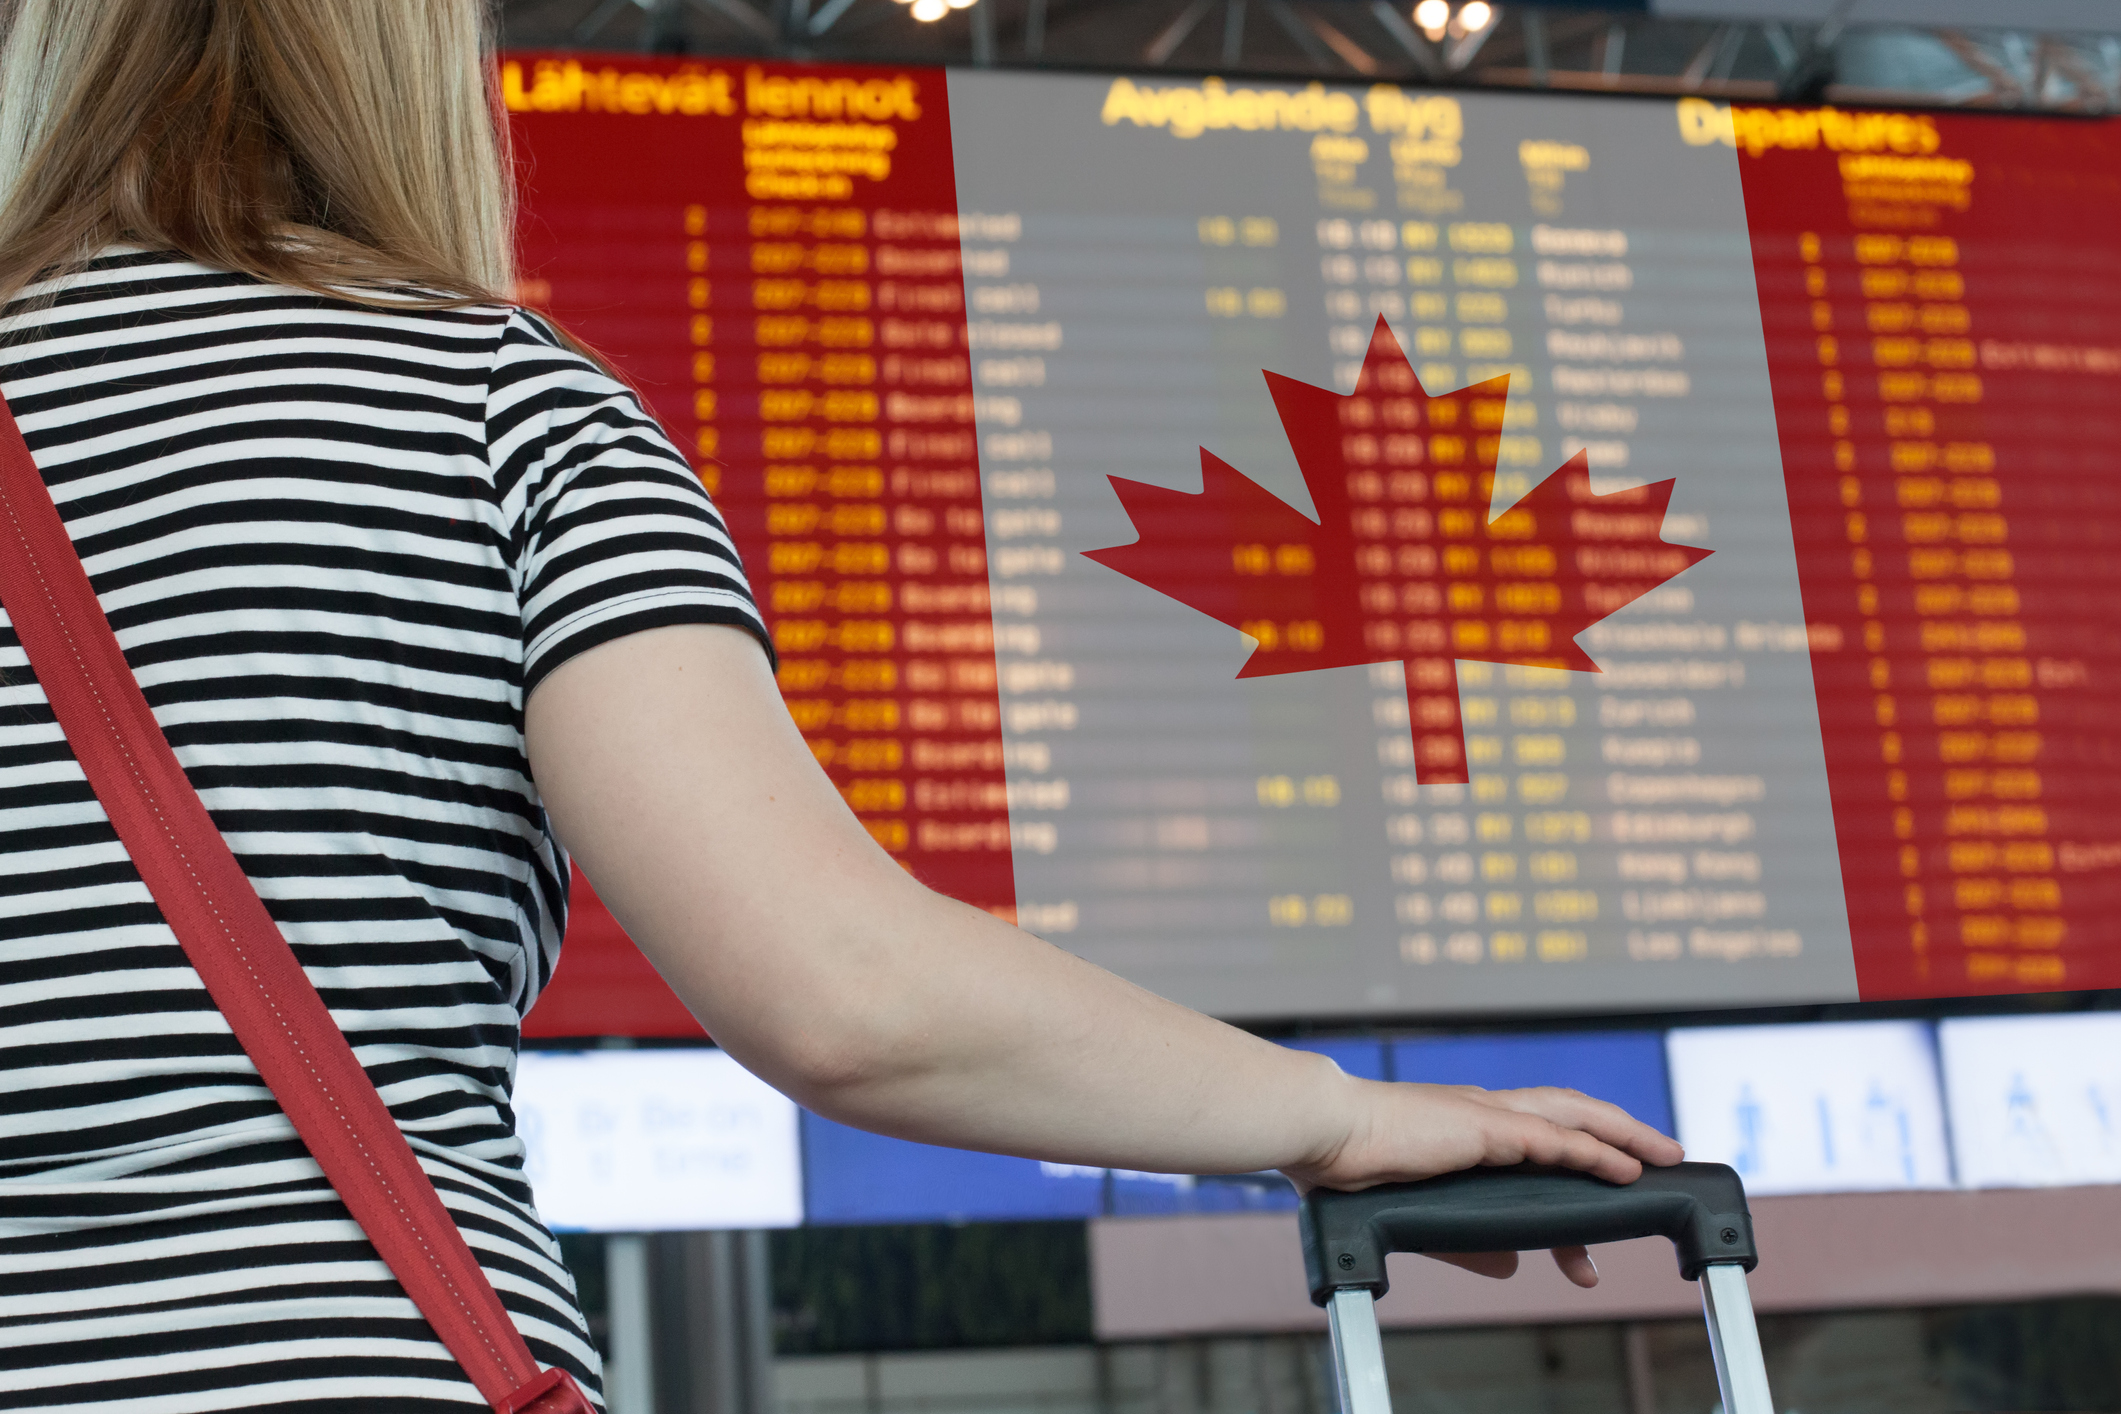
x,y
1700,1207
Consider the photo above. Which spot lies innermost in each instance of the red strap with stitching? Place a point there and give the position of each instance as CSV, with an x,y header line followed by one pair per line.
x,y
248,967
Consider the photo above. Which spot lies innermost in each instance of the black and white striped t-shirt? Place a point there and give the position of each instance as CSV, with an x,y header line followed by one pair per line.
x,y
339,546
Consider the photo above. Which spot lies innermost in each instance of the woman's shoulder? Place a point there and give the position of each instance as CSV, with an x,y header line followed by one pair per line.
x,y
126,304
151,283
130,318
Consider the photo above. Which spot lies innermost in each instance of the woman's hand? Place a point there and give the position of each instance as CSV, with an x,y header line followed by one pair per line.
x,y
1405,1132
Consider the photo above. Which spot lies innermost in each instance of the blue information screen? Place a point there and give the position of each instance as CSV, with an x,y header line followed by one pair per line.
x,y
1624,1067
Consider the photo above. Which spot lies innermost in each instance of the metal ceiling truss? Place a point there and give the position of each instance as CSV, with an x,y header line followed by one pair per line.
x,y
1520,46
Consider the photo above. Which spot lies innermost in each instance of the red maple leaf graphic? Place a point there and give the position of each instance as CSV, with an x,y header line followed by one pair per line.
x,y
1403,563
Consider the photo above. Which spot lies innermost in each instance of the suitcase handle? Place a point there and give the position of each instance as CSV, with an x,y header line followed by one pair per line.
x,y
1700,1207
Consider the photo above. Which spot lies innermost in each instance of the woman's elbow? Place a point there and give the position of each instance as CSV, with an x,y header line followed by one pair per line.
x,y
833,1058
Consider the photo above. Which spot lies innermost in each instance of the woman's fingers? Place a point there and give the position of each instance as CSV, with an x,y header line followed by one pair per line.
x,y
1518,1138
1487,1264
1576,1265
1607,1122
1588,1134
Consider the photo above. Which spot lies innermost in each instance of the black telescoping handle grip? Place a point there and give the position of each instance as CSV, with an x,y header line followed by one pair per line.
x,y
1700,1207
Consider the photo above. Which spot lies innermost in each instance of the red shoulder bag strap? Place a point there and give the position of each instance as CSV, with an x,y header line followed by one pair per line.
x,y
231,940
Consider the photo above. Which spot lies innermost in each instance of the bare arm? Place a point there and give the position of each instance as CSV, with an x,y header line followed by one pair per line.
x,y
674,774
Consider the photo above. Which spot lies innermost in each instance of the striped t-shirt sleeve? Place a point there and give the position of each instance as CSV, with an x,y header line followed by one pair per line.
x,y
611,533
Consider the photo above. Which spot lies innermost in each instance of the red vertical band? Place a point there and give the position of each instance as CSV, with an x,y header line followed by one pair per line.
x,y
248,968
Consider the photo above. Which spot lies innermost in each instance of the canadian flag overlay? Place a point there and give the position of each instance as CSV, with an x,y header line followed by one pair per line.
x,y
1669,563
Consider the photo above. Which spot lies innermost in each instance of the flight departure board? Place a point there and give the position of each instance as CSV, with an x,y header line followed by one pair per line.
x,y
1323,551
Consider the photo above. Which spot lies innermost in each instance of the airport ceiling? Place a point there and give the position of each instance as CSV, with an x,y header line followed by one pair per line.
x,y
1509,46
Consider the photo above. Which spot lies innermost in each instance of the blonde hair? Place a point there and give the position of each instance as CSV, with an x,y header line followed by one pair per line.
x,y
332,145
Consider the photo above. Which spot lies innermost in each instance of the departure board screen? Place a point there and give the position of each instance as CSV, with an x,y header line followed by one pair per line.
x,y
1363,550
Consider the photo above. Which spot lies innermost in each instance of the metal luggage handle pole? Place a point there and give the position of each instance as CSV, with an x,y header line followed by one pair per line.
x,y
1741,1373
1358,1353
1699,1207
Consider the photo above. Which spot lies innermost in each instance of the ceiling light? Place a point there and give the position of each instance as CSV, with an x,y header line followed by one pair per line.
x,y
926,10
1433,15
1476,14
962,4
